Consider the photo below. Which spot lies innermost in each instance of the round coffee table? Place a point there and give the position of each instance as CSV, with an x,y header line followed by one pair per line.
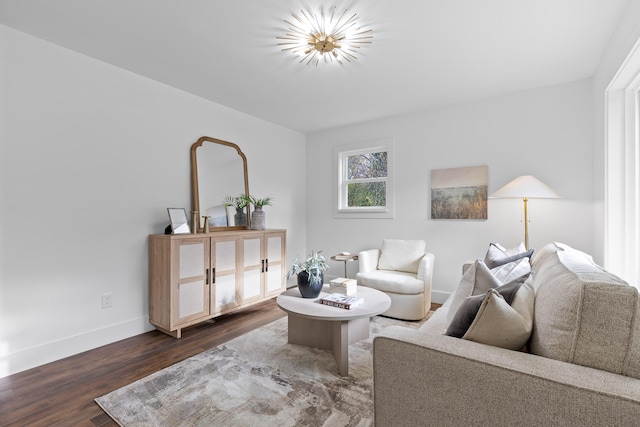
x,y
331,328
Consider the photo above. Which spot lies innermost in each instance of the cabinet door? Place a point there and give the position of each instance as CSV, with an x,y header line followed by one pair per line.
x,y
252,268
275,263
191,290
224,255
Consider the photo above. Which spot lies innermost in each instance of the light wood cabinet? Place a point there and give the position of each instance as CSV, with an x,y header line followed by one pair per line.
x,y
195,277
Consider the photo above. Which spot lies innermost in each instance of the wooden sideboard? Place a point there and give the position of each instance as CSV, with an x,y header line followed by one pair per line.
x,y
195,277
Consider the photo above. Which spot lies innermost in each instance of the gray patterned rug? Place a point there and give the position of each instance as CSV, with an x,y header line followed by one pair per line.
x,y
255,379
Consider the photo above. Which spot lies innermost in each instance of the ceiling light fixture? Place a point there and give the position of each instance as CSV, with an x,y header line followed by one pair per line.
x,y
324,37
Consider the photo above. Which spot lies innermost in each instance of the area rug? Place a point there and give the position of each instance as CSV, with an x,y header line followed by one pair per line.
x,y
255,379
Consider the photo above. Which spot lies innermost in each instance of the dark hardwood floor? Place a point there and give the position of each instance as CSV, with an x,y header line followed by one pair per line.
x,y
61,393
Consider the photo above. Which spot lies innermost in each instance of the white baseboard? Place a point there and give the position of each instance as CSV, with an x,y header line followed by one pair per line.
x,y
439,297
55,350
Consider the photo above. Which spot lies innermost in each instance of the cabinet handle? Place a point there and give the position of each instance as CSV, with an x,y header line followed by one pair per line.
x,y
267,264
207,282
262,266
213,275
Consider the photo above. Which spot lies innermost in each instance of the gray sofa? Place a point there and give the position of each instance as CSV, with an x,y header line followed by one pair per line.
x,y
581,366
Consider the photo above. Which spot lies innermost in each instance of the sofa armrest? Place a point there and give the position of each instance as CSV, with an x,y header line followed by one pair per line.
x,y
467,265
368,260
424,379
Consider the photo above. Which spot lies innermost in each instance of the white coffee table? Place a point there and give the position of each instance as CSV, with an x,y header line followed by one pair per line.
x,y
331,328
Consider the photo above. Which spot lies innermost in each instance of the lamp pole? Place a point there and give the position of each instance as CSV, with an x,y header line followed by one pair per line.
x,y
526,224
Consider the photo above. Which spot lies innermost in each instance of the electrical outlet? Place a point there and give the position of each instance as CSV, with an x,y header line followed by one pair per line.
x,y
107,300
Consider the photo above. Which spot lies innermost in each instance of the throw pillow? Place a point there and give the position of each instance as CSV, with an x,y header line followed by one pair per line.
x,y
468,310
401,255
497,255
477,280
499,323
512,270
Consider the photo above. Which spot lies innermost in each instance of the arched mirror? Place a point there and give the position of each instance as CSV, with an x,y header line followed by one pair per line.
x,y
218,170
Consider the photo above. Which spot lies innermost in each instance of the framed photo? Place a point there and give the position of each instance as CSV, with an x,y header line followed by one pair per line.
x,y
459,193
217,216
178,218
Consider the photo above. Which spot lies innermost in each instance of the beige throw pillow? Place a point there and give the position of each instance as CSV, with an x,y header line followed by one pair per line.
x,y
401,255
502,325
501,317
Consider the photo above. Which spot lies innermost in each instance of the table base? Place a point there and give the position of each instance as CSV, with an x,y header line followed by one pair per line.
x,y
334,335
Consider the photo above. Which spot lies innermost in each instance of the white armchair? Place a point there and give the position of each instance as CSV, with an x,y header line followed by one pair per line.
x,y
403,270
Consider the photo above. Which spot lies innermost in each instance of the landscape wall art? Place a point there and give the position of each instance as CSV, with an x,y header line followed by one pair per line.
x,y
459,193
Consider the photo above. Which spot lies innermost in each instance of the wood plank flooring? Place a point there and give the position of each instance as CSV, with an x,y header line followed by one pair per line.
x,y
62,393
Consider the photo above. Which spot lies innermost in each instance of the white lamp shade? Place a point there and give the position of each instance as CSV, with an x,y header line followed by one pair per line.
x,y
525,186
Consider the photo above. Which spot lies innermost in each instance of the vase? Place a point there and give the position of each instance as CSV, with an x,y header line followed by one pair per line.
x,y
258,221
240,218
308,289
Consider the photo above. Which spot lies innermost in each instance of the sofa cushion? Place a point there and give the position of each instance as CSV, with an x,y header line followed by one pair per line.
x,y
583,314
401,255
497,255
391,281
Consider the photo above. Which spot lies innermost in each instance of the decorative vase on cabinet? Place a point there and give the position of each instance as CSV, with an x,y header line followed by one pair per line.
x,y
258,220
240,218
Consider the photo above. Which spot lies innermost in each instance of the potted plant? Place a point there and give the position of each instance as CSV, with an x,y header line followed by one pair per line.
x,y
265,201
310,274
240,202
258,220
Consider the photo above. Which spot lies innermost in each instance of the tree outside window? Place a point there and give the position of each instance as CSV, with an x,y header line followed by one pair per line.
x,y
364,180
367,179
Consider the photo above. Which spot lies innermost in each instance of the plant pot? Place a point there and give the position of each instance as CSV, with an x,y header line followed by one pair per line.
x,y
308,289
258,220
240,218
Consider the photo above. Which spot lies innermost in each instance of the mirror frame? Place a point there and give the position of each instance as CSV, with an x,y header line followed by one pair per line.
x,y
194,181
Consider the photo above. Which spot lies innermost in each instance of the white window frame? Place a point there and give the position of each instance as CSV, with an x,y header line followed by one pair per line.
x,y
622,171
340,154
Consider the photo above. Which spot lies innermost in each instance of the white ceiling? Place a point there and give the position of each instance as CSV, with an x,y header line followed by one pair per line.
x,y
425,53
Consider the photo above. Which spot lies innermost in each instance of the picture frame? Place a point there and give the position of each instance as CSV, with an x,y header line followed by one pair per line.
x,y
217,216
459,193
178,218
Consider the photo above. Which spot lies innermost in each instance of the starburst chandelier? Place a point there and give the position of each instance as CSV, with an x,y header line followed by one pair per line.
x,y
324,37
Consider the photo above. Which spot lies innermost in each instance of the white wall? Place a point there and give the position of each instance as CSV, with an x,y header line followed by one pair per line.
x,y
625,37
91,157
546,133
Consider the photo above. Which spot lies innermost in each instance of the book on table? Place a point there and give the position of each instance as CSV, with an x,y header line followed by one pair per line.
x,y
341,300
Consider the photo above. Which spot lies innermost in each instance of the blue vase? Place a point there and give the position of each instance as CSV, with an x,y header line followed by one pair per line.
x,y
308,289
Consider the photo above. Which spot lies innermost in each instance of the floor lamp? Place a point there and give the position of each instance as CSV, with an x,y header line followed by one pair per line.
x,y
525,187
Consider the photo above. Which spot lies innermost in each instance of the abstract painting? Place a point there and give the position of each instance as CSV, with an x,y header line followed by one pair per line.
x,y
459,193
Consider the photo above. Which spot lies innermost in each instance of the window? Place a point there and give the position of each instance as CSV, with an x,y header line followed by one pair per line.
x,y
364,184
622,174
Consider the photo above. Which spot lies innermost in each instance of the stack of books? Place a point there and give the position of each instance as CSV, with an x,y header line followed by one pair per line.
x,y
342,257
341,301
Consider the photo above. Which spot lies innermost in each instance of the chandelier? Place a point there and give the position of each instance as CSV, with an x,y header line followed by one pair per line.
x,y
325,37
